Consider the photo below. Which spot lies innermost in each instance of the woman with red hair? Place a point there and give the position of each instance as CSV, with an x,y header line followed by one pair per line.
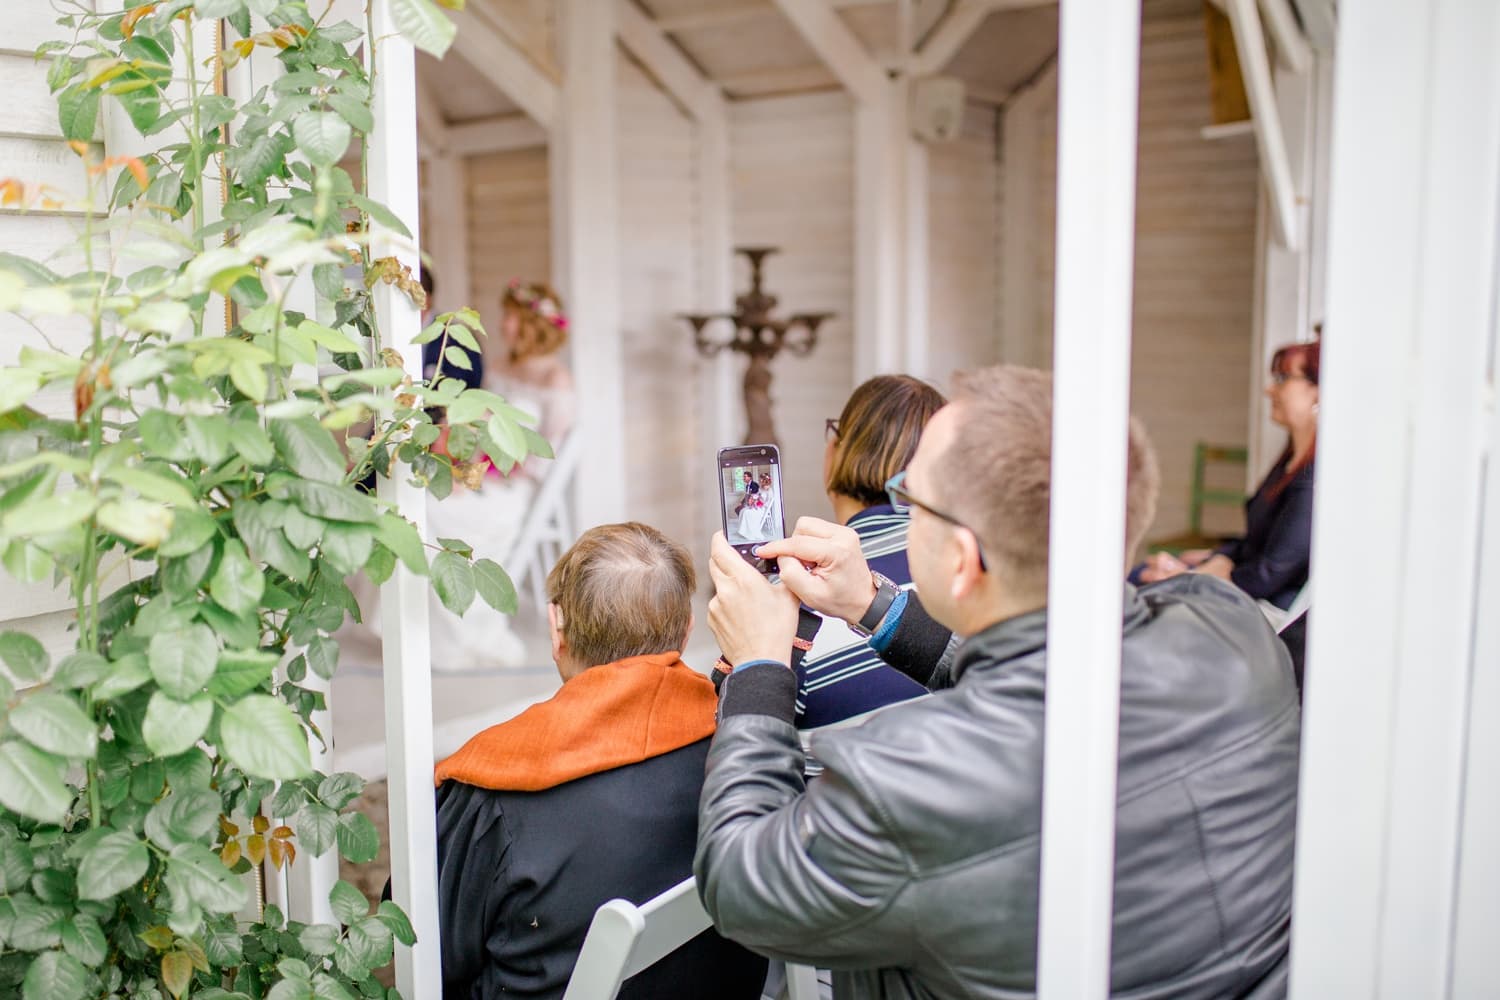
x,y
1270,562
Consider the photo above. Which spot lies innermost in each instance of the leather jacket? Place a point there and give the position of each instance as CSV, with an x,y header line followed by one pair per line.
x,y
911,866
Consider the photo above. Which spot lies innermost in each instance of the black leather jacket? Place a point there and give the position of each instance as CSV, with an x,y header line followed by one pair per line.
x,y
911,867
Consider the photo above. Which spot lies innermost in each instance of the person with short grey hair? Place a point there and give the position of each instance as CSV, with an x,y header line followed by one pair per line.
x,y
911,867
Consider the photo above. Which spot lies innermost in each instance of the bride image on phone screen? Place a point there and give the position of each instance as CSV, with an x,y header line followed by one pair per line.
x,y
754,498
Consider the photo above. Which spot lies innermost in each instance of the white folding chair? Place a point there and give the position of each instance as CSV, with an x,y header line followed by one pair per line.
x,y
547,529
624,938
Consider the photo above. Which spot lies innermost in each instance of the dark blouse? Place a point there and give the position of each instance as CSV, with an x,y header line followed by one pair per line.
x,y
1270,562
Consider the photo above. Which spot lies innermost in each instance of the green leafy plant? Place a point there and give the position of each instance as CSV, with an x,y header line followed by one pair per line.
x,y
202,501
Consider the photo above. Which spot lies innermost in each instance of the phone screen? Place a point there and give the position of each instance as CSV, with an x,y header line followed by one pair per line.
x,y
750,499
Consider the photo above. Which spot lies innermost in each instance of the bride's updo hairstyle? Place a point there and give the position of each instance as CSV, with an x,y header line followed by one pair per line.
x,y
543,324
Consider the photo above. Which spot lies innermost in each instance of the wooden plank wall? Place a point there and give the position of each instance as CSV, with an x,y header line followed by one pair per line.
x,y
32,150
509,227
667,484
964,213
1194,266
793,187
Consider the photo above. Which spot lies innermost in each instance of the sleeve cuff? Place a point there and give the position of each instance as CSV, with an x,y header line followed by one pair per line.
x,y
881,640
760,687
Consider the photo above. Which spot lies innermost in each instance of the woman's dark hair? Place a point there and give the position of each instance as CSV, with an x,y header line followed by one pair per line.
x,y
878,434
1296,359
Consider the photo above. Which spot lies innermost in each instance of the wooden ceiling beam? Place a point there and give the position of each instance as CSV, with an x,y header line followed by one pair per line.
x,y
827,35
506,66
676,75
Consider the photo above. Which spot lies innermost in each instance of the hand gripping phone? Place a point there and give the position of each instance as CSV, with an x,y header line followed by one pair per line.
x,y
750,502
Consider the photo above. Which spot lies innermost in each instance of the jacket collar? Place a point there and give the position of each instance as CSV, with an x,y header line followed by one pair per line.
x,y
1022,635
603,718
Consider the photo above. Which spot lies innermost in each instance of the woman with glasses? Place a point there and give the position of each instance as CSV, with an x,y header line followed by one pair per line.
x,y
842,680
1270,562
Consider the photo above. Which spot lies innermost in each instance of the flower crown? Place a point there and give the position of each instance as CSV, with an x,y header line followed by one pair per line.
x,y
545,306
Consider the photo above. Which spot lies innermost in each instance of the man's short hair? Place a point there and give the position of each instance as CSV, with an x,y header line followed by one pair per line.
x,y
623,590
996,475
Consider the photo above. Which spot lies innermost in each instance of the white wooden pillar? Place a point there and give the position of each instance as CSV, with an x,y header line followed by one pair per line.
x,y
1022,342
879,217
1099,53
586,245
403,599
1395,678
716,275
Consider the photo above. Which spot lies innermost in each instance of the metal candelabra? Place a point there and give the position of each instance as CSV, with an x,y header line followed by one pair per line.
x,y
760,337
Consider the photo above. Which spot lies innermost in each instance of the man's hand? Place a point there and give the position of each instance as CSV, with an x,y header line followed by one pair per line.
x,y
824,566
752,618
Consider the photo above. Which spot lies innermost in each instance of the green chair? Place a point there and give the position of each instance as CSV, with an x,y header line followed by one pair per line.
x,y
1201,496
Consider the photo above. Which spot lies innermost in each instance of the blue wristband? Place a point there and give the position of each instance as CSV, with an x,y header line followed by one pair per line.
x,y
756,663
881,640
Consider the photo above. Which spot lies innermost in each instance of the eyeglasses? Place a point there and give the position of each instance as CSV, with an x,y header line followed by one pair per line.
x,y
831,429
902,501
1282,378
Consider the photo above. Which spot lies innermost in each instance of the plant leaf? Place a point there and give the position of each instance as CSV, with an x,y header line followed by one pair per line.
x,y
24,655
260,734
318,827
495,586
400,536
141,521
173,726
197,873
55,723
84,940
55,975
322,136
358,840
453,579
237,584
183,817
240,671
395,918
323,657
78,112
115,863
424,25
176,972
31,783
349,904
183,660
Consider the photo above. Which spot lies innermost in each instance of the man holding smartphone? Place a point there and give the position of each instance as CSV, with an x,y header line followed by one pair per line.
x,y
911,867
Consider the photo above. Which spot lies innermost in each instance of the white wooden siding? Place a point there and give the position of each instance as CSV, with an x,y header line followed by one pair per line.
x,y
793,187
963,230
509,235
32,150
1194,262
666,481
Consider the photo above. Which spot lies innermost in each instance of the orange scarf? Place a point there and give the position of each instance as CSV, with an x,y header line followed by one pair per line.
x,y
606,717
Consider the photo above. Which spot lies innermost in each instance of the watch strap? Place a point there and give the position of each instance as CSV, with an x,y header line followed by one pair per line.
x,y
886,590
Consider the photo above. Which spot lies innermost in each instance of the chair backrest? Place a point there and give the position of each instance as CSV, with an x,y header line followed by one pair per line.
x,y
624,939
1200,495
546,530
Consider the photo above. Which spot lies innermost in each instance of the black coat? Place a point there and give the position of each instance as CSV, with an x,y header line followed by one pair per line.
x,y
521,873
1270,562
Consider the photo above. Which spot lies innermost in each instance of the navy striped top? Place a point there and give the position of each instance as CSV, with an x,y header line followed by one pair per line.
x,y
842,680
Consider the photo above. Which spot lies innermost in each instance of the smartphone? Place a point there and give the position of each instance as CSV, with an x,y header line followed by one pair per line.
x,y
750,500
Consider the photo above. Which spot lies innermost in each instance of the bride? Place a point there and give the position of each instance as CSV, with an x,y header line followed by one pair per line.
x,y
758,513
486,507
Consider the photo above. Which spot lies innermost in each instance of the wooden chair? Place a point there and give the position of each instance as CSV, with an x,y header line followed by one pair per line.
x,y
547,529
1201,496
624,939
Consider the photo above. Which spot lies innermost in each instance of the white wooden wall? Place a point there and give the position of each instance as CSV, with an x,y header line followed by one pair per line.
x,y
666,482
32,150
964,214
1194,261
793,187
509,219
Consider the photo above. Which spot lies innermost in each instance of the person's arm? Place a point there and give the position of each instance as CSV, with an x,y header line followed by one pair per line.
x,y
473,851
1283,561
825,567
789,872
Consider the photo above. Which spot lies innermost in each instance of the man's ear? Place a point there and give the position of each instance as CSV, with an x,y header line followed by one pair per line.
x,y
968,577
555,629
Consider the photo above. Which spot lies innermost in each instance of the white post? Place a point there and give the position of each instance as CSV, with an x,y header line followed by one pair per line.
x,y
585,242
1021,125
403,599
1099,53
879,215
716,274
1250,44
1407,416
